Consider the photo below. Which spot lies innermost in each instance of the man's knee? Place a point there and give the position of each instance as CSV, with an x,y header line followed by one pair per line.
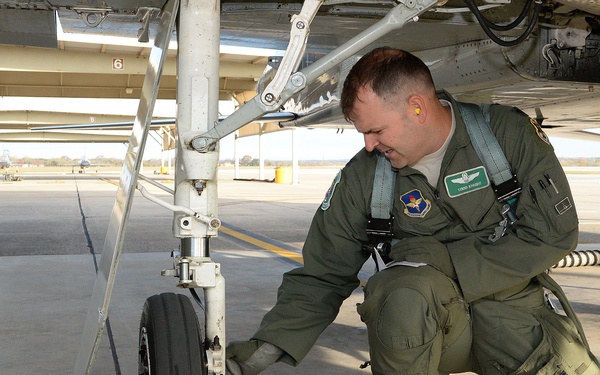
x,y
405,320
407,315
409,295
402,332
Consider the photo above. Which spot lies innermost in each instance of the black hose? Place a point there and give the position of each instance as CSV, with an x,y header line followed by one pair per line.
x,y
197,299
486,24
511,25
580,258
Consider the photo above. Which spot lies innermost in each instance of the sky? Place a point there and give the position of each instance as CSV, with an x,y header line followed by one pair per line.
x,y
312,144
316,144
323,144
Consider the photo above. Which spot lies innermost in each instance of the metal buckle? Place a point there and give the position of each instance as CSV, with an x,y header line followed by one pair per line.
x,y
379,232
508,189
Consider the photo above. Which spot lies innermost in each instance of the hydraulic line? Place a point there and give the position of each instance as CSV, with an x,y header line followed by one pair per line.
x,y
580,258
197,298
212,222
511,25
486,25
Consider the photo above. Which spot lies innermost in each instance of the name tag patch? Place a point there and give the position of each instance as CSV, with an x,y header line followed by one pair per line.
x,y
466,182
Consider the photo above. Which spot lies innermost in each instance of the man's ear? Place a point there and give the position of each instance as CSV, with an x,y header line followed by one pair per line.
x,y
417,107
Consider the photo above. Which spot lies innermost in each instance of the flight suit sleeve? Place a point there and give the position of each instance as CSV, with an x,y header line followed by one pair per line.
x,y
547,226
309,297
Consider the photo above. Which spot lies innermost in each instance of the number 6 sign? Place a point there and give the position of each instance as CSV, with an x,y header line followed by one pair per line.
x,y
118,64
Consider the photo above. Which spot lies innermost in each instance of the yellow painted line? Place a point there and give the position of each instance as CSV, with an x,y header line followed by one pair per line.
x,y
110,181
223,204
270,247
263,245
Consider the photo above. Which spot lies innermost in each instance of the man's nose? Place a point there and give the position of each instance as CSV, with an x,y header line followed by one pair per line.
x,y
371,142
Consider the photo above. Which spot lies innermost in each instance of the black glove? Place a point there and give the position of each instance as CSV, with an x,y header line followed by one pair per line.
x,y
250,357
425,249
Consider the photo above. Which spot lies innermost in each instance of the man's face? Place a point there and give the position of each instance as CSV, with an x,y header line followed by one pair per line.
x,y
392,131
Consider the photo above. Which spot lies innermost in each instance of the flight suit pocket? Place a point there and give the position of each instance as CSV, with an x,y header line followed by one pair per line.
x,y
561,351
458,320
541,358
549,206
366,311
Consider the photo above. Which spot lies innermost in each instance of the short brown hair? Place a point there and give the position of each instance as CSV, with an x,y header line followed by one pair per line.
x,y
387,72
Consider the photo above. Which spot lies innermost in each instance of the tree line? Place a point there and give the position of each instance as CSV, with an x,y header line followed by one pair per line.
x,y
245,161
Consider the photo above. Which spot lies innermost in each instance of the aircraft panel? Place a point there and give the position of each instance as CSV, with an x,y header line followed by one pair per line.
x,y
130,6
15,28
551,73
269,28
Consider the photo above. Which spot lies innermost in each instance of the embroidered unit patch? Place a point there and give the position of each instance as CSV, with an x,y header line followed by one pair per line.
x,y
539,130
414,204
327,200
466,182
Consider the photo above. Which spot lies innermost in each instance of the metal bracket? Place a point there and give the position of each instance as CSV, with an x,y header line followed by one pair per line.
x,y
294,51
92,17
405,12
194,272
503,225
212,222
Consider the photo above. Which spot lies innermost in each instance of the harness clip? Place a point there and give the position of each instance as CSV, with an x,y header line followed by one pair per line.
x,y
379,233
507,190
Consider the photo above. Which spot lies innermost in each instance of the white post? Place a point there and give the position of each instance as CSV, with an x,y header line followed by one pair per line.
x,y
236,160
170,167
294,157
261,160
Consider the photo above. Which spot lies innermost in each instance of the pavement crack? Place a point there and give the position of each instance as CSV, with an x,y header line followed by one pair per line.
x,y
90,246
86,232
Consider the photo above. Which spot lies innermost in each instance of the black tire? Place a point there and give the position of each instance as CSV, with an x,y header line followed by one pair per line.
x,y
170,338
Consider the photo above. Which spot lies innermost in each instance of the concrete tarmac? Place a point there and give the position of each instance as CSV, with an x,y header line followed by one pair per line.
x,y
52,229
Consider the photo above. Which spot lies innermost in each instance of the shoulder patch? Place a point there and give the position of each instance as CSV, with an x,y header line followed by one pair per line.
x,y
327,200
539,131
414,204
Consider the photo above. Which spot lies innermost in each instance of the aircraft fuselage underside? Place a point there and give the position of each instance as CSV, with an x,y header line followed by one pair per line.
x,y
556,53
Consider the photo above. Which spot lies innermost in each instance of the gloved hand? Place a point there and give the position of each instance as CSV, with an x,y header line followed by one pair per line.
x,y
250,357
424,249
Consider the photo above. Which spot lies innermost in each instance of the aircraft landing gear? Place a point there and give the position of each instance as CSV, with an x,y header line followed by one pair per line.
x,y
170,338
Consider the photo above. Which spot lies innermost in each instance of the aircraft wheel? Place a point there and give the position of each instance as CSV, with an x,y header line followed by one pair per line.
x,y
170,338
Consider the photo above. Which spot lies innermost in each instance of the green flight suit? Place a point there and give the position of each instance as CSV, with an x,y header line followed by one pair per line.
x,y
487,274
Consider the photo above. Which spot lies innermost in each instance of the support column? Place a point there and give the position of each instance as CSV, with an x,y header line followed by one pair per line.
x,y
261,147
236,159
167,143
169,166
294,157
